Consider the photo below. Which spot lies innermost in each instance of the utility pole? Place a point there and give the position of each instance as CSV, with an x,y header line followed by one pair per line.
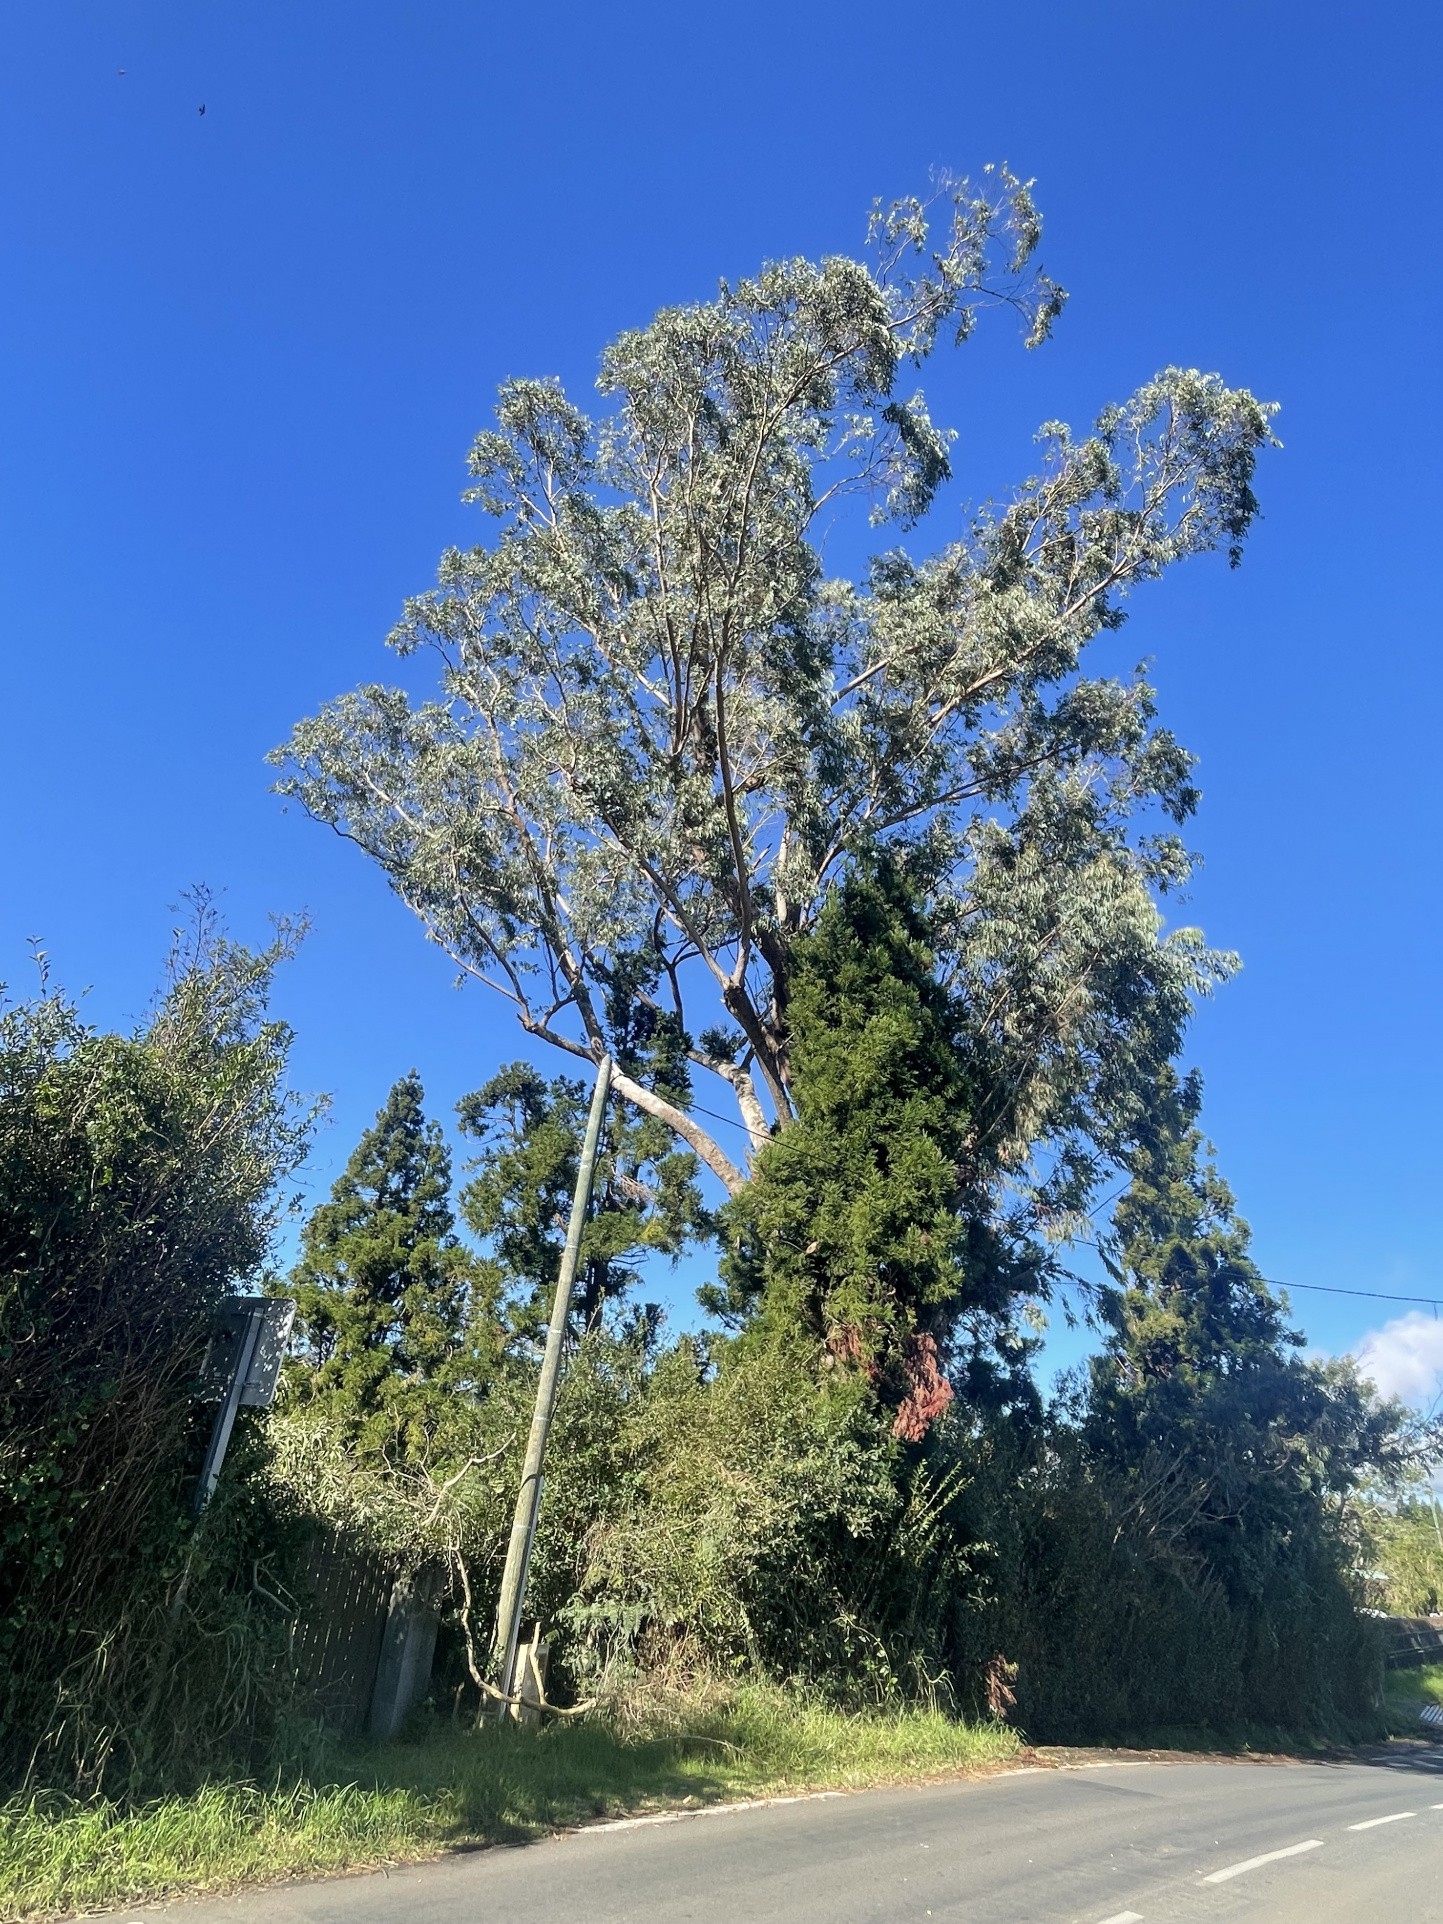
x,y
528,1499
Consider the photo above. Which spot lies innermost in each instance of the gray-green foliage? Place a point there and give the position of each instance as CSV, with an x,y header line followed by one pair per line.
x,y
662,729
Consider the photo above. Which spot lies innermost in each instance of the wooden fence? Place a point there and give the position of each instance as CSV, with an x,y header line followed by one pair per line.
x,y
338,1636
1409,1641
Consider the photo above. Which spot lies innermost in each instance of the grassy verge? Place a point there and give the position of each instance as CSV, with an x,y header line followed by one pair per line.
x,y
388,1803
1405,1691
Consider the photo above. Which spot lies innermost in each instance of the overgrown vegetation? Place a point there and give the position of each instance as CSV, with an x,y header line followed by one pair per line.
x,y
139,1181
1405,1546
886,864
1174,1542
390,1803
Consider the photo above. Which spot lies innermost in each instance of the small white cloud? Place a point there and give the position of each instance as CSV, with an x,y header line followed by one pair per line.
x,y
1405,1357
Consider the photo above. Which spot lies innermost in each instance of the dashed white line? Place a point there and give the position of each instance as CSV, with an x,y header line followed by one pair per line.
x,y
1373,1822
1124,1917
1268,1857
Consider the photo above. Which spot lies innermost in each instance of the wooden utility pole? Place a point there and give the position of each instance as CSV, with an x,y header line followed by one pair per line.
x,y
528,1499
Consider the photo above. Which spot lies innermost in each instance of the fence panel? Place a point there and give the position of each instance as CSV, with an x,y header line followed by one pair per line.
x,y
338,1635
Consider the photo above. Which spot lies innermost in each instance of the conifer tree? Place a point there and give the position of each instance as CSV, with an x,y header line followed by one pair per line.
x,y
1201,1365
1190,1313
868,1227
644,1198
382,1286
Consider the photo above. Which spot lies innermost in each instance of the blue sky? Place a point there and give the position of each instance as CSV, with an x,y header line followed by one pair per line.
x,y
244,353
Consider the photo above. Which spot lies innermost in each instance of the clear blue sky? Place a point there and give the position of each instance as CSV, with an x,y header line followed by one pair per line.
x,y
244,353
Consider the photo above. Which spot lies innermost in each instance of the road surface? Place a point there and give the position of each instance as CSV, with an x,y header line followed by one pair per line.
x,y
1120,1843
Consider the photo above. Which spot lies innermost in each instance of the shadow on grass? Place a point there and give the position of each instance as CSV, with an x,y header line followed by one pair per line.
x,y
348,1807
507,1785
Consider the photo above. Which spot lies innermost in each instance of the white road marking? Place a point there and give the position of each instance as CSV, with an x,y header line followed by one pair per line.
x,y
1268,1857
1373,1822
1051,1770
702,1810
1124,1917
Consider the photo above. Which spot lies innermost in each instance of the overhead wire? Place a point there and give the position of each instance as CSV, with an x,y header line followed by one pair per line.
x,y
1435,1303
1371,1295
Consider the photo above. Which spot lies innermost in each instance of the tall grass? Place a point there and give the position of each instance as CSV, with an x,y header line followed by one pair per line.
x,y
388,1803
1407,1690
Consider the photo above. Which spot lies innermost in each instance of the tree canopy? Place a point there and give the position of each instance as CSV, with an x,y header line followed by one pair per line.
x,y
644,1195
381,1287
867,1225
662,729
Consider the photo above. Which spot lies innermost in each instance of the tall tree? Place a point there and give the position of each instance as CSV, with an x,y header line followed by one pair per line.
x,y
645,1198
1201,1377
381,1287
663,730
868,1225
1190,1313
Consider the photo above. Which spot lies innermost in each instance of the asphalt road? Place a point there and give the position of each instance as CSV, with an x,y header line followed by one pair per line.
x,y
1126,1843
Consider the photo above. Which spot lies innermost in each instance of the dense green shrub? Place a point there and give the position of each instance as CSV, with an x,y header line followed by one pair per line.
x,y
1122,1627
138,1180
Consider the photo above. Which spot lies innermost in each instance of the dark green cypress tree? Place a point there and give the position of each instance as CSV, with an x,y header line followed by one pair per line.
x,y
867,1228
1201,1360
1195,1334
381,1288
1201,1411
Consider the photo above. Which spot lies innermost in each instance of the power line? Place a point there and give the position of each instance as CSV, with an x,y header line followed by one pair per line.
x,y
1371,1295
1317,1289
716,1116
1333,1289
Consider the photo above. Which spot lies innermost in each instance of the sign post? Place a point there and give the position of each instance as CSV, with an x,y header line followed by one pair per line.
x,y
242,1364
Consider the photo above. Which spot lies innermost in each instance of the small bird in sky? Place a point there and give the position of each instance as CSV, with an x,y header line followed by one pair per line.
x,y
202,106
120,72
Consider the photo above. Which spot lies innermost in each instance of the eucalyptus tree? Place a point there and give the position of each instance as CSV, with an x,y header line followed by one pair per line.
x,y
662,730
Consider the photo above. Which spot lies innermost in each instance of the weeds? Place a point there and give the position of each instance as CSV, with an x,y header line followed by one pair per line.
x,y
388,1803
1407,1691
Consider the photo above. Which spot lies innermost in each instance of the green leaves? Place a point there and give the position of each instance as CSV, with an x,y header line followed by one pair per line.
x,y
141,1178
661,729
861,1239
387,1318
645,1198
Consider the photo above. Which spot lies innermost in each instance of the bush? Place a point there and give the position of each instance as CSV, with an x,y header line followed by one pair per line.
x,y
1124,1629
137,1184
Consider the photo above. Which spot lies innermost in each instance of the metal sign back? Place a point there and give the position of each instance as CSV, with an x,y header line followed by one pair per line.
x,y
251,1332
